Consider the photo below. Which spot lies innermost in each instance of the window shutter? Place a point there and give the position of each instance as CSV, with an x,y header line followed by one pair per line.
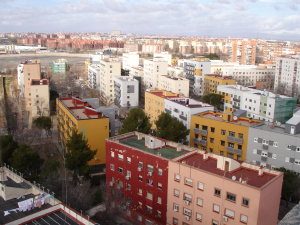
x,y
199,217
216,208
259,140
287,159
200,186
293,148
254,151
271,142
229,213
199,201
292,160
270,154
259,152
244,218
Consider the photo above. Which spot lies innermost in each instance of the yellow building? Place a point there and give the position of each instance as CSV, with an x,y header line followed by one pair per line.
x,y
221,133
73,113
174,62
87,63
154,104
212,81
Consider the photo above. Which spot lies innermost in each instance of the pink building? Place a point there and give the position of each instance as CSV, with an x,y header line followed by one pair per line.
x,y
204,188
200,49
185,49
151,48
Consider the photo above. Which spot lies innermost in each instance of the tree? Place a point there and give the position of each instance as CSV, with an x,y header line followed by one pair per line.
x,y
43,123
51,166
78,154
212,56
170,128
290,185
8,145
136,121
213,99
26,161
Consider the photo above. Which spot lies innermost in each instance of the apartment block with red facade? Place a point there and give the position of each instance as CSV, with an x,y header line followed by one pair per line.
x,y
138,165
243,52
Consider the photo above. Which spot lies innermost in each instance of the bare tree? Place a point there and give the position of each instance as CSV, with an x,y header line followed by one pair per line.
x,y
281,89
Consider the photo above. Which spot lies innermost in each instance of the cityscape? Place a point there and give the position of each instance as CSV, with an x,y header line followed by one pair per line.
x,y
169,112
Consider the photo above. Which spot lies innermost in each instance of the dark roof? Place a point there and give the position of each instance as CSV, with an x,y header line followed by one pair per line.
x,y
57,217
11,183
13,204
292,218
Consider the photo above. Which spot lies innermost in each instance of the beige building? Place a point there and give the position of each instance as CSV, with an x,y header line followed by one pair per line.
x,y
153,69
40,97
173,44
174,84
165,55
137,71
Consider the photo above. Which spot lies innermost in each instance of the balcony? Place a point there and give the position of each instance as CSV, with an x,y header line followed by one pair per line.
x,y
199,141
183,117
176,110
266,147
234,150
234,139
168,111
236,99
236,107
264,159
199,131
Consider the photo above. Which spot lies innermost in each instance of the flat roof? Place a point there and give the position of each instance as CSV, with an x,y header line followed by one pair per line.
x,y
210,165
219,76
166,152
192,102
11,183
276,129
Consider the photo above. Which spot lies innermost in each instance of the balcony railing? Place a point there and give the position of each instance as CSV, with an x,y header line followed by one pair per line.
x,y
263,158
199,131
236,99
235,107
183,117
266,147
234,150
168,111
199,141
234,139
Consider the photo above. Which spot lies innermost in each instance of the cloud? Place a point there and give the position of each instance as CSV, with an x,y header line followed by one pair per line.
x,y
239,5
292,6
275,6
223,1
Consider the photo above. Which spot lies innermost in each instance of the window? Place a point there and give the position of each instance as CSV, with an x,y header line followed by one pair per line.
x,y
158,213
231,197
215,222
149,181
275,144
221,152
255,139
223,132
198,216
28,78
199,201
231,145
120,170
141,164
217,192
36,90
120,183
244,218
140,178
128,187
140,191
159,186
149,209
176,193
150,167
187,197
229,213
223,143
177,177
212,140
212,129
241,135
231,133
159,172
175,221
245,202
128,160
149,196
204,127
112,167
120,157
216,208
176,207
200,186
112,154
187,212
188,182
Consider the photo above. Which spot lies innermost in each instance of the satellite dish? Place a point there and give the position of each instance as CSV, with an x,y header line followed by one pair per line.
x,y
235,118
233,178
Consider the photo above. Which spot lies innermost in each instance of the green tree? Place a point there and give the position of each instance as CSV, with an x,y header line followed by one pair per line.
x,y
170,128
78,154
26,161
50,166
213,99
136,121
8,145
43,123
212,56
291,184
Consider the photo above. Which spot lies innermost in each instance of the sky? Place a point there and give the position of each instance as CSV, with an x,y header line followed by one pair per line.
x,y
268,19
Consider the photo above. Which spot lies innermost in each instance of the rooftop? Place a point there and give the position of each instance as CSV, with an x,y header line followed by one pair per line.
x,y
164,94
219,77
39,82
188,102
173,78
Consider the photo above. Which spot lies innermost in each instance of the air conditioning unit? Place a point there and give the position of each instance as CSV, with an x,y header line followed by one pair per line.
x,y
111,183
225,218
127,177
186,202
150,173
187,217
139,169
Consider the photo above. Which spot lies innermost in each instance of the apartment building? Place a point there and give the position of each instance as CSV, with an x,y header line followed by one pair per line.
x,y
153,69
165,55
175,71
126,91
243,52
152,48
60,66
74,113
174,84
40,97
205,188
137,71
287,73
211,81
95,58
94,76
133,47
222,133
176,62
173,44
130,59
270,53
185,49
200,49
194,70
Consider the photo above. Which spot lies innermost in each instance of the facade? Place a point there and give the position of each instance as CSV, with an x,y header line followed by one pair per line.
x,y
262,105
130,59
243,52
175,71
94,76
287,73
40,97
194,70
165,55
173,44
126,91
185,49
222,133
211,81
152,48
205,188
95,58
153,69
60,66
174,84
270,53
276,145
175,62
74,113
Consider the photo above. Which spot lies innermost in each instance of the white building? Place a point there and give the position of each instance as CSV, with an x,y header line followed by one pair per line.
x,y
126,91
94,76
165,55
130,59
174,84
153,69
95,58
288,72
182,108
175,71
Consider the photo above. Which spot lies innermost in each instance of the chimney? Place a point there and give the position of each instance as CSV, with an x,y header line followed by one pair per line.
x,y
205,155
179,147
140,136
260,170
